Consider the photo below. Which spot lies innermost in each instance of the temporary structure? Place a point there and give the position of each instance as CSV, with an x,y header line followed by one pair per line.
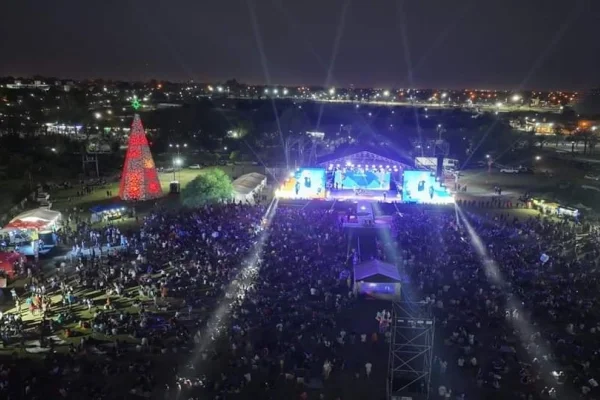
x,y
40,219
378,279
247,185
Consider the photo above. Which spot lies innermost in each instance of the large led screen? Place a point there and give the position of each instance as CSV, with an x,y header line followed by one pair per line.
x,y
362,179
421,187
305,183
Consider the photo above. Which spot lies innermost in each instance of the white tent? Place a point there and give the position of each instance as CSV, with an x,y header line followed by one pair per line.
x,y
377,279
39,218
247,185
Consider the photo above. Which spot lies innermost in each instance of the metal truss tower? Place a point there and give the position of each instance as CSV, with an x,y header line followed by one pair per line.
x,y
430,148
411,352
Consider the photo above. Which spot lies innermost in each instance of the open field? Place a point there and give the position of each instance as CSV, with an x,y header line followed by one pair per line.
x,y
8,190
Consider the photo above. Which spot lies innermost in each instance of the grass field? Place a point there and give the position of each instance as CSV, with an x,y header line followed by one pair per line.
x,y
99,196
8,189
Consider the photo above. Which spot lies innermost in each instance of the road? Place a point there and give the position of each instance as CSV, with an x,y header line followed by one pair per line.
x,y
505,108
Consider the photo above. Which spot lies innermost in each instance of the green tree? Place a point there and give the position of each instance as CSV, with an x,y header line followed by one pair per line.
x,y
558,133
210,186
586,136
234,155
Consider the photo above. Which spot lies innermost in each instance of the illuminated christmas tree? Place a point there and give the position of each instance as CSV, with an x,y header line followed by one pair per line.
x,y
139,180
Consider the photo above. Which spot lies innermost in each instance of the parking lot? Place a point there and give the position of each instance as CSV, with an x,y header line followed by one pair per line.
x,y
552,180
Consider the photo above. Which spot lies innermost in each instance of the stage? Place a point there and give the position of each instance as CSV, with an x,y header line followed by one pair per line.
x,y
389,196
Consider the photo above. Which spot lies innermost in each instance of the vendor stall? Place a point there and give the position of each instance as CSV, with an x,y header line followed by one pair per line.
x,y
105,213
32,232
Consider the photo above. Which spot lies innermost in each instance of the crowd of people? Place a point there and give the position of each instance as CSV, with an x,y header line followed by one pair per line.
x,y
237,301
514,302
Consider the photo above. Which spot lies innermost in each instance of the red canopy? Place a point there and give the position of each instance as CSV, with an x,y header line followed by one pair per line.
x,y
20,224
8,260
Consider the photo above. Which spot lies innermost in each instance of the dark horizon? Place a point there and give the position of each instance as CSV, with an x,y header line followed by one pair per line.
x,y
509,45
283,85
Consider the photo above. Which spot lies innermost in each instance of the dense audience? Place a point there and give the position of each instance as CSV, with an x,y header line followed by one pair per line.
x,y
514,302
224,303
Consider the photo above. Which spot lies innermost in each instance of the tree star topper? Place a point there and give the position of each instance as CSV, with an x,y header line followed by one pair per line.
x,y
135,104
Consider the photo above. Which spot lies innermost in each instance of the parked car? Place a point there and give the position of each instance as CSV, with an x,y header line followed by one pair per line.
x,y
510,170
526,170
42,196
45,204
195,166
592,177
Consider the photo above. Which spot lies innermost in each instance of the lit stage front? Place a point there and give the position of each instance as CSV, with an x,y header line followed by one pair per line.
x,y
390,196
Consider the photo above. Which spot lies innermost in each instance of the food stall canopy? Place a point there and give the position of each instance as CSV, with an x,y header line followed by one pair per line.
x,y
39,218
107,212
106,207
20,224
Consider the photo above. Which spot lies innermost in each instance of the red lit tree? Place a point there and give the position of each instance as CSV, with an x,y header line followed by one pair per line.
x,y
139,180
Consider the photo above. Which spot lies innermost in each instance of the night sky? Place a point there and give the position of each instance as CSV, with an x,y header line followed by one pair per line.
x,y
369,43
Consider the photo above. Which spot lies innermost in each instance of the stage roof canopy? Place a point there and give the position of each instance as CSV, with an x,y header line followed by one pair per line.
x,y
376,271
364,157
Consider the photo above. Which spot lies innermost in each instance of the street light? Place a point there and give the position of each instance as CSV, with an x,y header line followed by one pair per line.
x,y
538,158
98,115
177,161
53,150
225,148
332,91
516,98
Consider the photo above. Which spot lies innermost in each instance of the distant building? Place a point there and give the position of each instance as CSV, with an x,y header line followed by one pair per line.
x,y
540,128
34,85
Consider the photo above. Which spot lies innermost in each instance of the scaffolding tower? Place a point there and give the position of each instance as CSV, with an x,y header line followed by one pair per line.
x,y
411,351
